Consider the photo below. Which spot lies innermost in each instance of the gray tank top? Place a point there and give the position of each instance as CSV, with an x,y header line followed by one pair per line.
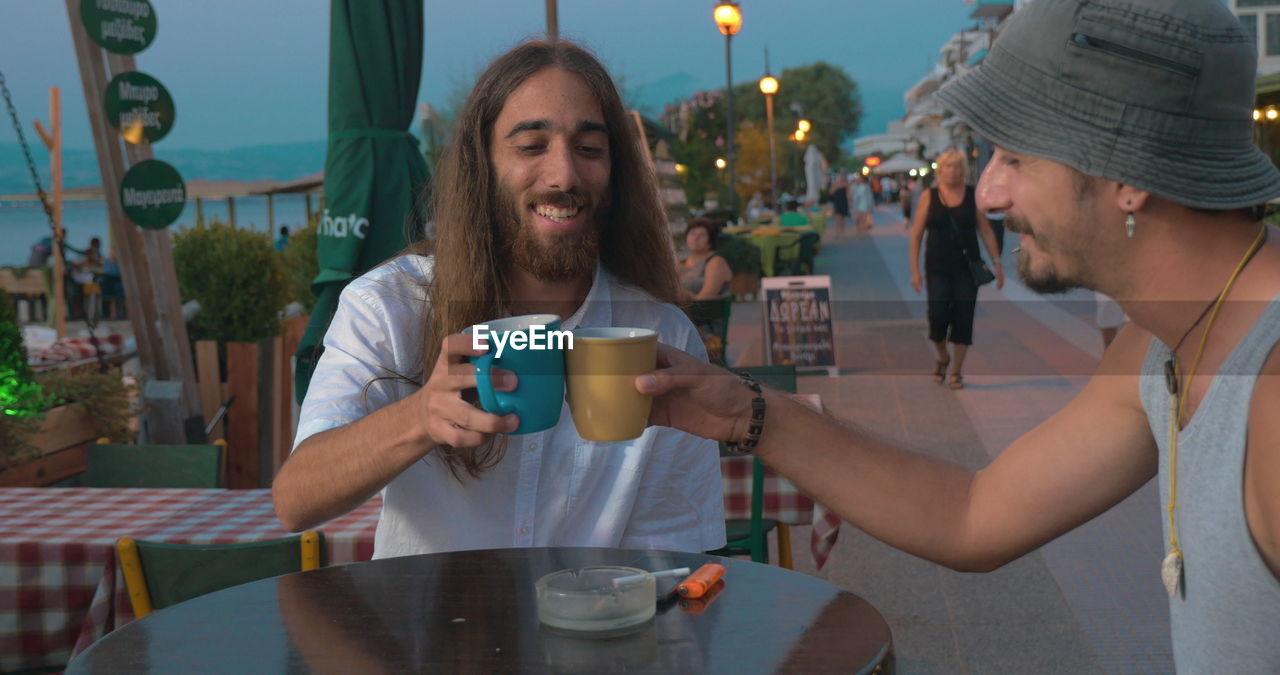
x,y
1227,617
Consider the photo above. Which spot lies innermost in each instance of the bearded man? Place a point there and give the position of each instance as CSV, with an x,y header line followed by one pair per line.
x,y
1125,163
543,204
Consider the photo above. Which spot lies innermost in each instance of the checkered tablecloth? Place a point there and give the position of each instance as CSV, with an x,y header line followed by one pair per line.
x,y
783,501
60,588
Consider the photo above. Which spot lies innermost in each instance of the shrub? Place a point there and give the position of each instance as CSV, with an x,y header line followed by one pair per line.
x,y
739,253
302,264
21,399
238,278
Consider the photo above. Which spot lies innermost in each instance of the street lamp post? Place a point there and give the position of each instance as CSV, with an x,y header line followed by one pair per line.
x,y
729,20
769,87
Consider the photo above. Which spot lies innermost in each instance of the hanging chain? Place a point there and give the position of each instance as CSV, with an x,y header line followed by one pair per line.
x,y
31,163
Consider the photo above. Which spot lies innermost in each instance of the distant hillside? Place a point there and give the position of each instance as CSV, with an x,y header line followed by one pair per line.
x,y
259,162
653,96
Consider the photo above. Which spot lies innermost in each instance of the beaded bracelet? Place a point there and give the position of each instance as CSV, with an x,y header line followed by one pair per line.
x,y
756,426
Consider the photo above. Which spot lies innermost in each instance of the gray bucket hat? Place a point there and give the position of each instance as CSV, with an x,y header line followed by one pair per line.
x,y
1157,94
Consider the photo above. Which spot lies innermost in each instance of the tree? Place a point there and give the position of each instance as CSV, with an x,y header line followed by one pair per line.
x,y
828,96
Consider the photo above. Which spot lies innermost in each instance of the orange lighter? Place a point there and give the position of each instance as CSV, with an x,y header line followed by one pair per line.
x,y
699,605
698,582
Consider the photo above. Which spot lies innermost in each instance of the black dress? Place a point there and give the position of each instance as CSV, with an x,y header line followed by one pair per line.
x,y
952,294
840,200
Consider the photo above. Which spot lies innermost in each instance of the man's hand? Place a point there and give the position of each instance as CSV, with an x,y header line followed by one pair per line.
x,y
694,397
916,281
450,419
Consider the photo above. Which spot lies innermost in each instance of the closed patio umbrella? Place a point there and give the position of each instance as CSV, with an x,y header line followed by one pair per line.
x,y
373,168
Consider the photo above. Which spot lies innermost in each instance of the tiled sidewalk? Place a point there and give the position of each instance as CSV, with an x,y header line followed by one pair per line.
x,y
1088,602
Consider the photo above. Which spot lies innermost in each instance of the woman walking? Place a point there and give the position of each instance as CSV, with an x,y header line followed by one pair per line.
x,y
840,200
949,213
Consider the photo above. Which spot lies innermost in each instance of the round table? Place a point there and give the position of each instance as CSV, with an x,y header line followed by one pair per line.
x,y
475,611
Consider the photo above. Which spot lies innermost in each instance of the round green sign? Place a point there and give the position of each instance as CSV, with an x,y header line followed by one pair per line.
x,y
139,107
153,194
120,26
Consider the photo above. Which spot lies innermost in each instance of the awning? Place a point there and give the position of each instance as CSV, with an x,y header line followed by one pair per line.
x,y
991,9
899,163
977,57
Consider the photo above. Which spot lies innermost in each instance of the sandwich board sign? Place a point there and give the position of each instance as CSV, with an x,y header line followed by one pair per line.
x,y
798,327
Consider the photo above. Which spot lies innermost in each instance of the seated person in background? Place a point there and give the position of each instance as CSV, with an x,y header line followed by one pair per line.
x,y
704,274
543,203
40,252
791,216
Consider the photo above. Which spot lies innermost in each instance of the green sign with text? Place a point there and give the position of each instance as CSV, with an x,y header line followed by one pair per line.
x,y
153,194
139,107
120,26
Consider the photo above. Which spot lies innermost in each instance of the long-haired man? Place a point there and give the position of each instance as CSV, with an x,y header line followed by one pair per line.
x,y
543,203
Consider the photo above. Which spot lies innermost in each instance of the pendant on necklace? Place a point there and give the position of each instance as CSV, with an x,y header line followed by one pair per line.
x,y
1171,572
1171,377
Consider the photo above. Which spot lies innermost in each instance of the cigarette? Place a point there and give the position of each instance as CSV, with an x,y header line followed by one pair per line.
x,y
1016,249
698,583
673,572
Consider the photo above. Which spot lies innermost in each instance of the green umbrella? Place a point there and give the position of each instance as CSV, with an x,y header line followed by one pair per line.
x,y
373,168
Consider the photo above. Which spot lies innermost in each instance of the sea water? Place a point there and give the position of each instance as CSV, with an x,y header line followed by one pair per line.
x,y
22,224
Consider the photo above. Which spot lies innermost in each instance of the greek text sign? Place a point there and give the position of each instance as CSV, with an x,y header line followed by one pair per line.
x,y
139,107
797,322
153,194
119,26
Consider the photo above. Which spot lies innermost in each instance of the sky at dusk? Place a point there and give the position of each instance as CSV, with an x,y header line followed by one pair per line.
x,y
248,73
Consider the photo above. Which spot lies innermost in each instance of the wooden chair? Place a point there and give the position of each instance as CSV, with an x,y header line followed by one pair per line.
x,y
749,536
156,466
159,575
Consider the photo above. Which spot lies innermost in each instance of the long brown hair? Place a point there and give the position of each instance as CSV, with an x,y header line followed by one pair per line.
x,y
469,284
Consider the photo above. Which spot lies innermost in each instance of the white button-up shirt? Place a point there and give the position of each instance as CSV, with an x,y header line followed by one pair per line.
x,y
552,488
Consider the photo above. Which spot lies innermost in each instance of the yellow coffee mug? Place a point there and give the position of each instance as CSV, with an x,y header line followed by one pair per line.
x,y
601,370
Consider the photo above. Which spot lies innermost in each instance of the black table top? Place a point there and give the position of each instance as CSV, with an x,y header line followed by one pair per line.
x,y
475,611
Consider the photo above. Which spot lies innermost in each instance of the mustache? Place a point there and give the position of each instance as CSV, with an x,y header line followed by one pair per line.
x,y
1016,225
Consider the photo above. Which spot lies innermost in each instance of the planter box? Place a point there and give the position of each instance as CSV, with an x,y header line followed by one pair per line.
x,y
62,439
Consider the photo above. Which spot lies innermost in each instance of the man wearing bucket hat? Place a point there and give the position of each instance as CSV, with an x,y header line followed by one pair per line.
x,y
1125,164
544,204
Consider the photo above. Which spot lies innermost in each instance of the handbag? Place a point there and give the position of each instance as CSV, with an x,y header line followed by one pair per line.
x,y
977,268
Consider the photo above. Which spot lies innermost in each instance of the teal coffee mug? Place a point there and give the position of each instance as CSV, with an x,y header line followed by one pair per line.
x,y
532,347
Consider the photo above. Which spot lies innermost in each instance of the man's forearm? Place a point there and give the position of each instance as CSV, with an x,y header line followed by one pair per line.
x,y
910,501
336,471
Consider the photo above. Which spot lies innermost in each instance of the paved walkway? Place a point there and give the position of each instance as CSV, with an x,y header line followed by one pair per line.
x,y
1090,602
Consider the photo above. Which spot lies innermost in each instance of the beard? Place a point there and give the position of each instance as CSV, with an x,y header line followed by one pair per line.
x,y
549,257
1048,280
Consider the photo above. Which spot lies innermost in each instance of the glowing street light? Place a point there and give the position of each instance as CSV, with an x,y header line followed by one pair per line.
x,y
769,87
720,163
728,19
799,135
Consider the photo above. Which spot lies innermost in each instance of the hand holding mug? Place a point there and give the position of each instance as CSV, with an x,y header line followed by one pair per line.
x,y
695,397
450,419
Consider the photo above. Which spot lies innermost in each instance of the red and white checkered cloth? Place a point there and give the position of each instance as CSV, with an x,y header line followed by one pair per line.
x,y
75,349
59,585
783,502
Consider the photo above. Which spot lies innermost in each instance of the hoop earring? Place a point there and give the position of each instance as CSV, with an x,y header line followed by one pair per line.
x,y
1129,224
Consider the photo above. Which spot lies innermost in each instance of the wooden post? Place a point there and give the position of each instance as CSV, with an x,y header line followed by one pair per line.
x,y
199,210
271,215
146,263
231,211
308,200
243,462
210,374
53,143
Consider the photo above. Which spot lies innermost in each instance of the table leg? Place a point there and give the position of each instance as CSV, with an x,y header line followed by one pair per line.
x,y
784,546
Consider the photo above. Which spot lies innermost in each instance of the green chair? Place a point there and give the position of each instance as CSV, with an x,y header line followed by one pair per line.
x,y
748,536
797,258
712,319
158,575
156,466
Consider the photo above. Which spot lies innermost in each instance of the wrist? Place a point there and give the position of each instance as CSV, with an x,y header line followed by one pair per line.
x,y
749,423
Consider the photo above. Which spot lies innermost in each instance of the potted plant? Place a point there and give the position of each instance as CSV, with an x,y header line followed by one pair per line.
x,y
46,420
240,282
744,261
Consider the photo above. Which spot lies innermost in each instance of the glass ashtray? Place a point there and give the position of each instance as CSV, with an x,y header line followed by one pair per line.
x,y
586,598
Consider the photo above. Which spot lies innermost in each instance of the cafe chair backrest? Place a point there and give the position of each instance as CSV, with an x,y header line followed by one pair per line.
x,y
712,319
159,575
748,536
156,466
